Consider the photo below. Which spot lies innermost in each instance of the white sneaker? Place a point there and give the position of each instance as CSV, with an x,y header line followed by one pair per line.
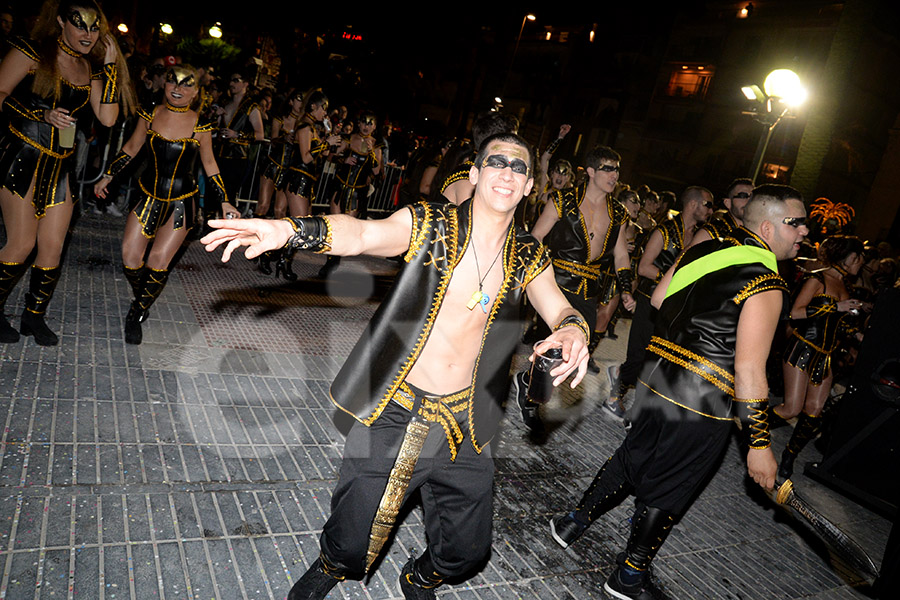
x,y
113,210
96,210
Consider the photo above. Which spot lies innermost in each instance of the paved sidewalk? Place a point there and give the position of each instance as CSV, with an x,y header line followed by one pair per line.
x,y
200,464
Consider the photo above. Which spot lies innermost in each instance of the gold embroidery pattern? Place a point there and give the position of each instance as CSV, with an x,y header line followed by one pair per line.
x,y
33,144
508,262
694,363
417,237
398,482
763,283
453,228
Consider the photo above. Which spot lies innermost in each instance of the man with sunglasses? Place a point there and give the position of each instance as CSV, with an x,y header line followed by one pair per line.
x,y
663,246
722,222
719,307
584,229
449,325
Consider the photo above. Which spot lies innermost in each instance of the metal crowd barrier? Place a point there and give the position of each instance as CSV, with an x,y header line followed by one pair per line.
x,y
94,159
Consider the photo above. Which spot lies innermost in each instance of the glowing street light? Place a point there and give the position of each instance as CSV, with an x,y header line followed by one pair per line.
x,y
783,91
166,28
527,17
216,30
122,27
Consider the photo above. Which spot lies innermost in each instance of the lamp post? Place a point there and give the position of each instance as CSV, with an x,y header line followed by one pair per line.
x,y
783,91
527,17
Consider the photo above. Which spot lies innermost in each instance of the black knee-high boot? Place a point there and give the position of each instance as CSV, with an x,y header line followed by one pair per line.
x,y
650,528
331,263
284,264
135,277
807,428
602,495
151,287
10,274
264,262
40,291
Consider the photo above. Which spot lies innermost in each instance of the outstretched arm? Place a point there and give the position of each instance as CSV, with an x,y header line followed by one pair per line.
x,y
346,236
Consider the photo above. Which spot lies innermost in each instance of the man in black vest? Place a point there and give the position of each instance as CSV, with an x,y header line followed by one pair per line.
x,y
429,377
719,306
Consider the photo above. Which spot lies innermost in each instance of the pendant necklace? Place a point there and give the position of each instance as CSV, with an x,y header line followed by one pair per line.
x,y
478,296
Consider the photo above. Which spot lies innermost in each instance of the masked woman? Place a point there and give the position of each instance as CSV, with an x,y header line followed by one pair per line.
x,y
168,184
822,311
69,68
306,160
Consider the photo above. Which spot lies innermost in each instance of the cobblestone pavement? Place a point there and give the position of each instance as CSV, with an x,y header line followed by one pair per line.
x,y
200,464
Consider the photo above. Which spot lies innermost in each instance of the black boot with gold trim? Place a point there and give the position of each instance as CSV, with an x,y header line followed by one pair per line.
x,y
153,284
284,266
10,274
40,291
319,579
418,579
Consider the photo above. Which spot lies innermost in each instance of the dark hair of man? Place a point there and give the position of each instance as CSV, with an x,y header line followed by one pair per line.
x,y
667,198
766,202
834,249
314,98
737,182
600,153
505,138
491,123
692,193
629,195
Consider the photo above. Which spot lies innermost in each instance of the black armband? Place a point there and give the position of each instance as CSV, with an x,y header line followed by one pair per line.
x,y
553,147
117,164
624,279
110,84
575,320
316,149
310,233
754,416
215,190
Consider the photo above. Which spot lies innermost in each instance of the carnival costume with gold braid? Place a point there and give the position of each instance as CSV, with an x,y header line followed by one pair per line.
x,y
719,225
169,182
29,149
238,147
570,243
815,337
301,176
455,429
461,173
685,402
278,160
354,179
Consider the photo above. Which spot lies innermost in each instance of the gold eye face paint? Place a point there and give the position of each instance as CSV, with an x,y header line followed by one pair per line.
x,y
181,77
85,19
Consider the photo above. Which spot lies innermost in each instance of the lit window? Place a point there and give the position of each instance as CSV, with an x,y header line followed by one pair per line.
x,y
689,81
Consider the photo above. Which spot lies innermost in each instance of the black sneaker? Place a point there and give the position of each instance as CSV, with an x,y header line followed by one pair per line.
x,y
314,585
643,590
564,529
410,590
530,411
614,408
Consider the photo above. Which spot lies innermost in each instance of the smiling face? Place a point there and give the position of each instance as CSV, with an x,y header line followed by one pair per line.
x,y
366,125
181,86
237,85
504,177
80,29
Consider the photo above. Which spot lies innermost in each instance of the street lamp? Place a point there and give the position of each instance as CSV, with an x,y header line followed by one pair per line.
x,y
783,91
527,17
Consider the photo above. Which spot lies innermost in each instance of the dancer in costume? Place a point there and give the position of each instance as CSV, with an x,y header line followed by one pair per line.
x,y
822,313
583,227
719,307
242,124
281,147
449,326
307,154
49,85
360,164
163,216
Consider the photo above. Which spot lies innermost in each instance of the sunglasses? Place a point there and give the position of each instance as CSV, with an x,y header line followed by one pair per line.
x,y
608,168
741,195
236,80
707,204
794,222
498,161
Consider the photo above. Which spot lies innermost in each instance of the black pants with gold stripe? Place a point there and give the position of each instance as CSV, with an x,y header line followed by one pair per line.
x,y
456,495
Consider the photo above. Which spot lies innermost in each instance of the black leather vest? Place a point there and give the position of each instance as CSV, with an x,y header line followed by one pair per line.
x,y
394,338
